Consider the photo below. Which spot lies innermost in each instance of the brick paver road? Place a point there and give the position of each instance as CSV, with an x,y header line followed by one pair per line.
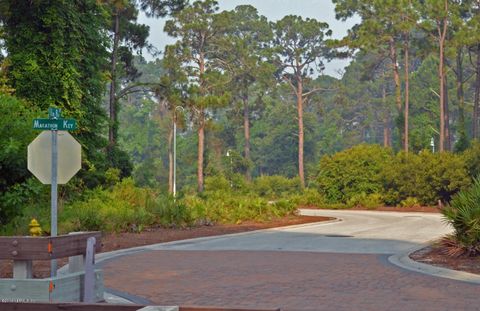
x,y
326,266
290,280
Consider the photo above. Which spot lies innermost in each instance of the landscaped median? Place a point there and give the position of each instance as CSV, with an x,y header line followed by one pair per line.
x,y
461,249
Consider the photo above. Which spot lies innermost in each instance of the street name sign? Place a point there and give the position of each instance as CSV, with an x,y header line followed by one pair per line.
x,y
54,113
55,124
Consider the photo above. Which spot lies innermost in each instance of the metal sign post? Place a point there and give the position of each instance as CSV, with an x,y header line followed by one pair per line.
x,y
54,114
54,123
54,198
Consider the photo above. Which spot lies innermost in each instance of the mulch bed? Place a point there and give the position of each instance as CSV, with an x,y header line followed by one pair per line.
x,y
436,255
111,242
423,209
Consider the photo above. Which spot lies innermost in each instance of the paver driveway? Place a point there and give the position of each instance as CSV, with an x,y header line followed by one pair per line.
x,y
335,266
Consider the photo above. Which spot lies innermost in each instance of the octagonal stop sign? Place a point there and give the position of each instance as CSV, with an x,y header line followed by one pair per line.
x,y
40,157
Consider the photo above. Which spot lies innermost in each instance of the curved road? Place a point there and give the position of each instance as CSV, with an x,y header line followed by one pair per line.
x,y
338,265
359,232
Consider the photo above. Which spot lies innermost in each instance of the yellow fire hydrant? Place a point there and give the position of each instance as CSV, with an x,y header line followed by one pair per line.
x,y
35,229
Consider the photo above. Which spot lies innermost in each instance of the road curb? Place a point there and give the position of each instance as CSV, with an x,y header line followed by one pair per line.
x,y
404,261
101,257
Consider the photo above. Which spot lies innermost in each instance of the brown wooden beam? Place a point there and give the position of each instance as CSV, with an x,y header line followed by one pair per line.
x,y
10,306
46,248
223,309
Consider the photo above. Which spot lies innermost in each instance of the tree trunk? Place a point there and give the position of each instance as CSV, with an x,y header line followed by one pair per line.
x,y
201,126
442,103
201,146
301,172
476,103
407,94
448,136
386,119
442,31
113,126
246,128
462,132
398,95
170,157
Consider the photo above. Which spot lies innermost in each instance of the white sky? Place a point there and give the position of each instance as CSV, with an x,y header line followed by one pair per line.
x,y
322,10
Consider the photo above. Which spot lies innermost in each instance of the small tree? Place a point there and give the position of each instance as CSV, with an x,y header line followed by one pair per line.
x,y
196,28
300,48
242,54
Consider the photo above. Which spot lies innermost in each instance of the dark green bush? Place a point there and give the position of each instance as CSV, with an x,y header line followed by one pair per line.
x,y
275,186
217,183
426,177
369,201
225,207
308,197
124,208
169,212
15,135
352,172
471,158
463,213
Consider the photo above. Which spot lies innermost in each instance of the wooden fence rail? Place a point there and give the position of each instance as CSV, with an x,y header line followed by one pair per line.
x,y
81,283
46,248
10,306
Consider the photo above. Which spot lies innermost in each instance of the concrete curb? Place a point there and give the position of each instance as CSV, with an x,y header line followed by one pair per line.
x,y
128,251
115,299
403,260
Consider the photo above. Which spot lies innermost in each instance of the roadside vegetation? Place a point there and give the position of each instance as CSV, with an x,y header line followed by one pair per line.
x,y
365,175
463,214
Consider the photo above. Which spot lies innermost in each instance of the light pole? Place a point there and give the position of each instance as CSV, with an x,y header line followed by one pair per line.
x,y
175,149
229,155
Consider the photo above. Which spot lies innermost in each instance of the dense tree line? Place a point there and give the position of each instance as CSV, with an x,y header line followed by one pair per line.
x,y
257,87
236,83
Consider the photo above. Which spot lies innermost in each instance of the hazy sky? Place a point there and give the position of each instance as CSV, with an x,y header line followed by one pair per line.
x,y
322,10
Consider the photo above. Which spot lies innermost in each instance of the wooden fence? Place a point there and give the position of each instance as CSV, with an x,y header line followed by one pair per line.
x,y
76,285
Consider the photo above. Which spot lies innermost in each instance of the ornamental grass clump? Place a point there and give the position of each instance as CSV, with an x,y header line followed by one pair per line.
x,y
463,213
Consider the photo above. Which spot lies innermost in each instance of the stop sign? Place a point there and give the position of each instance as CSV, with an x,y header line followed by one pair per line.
x,y
40,157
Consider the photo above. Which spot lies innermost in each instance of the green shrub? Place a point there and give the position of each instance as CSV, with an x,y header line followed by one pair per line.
x,y
135,196
471,158
352,172
410,202
334,206
225,207
217,183
427,177
275,186
308,197
124,208
463,213
169,212
112,176
15,135
21,203
370,201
